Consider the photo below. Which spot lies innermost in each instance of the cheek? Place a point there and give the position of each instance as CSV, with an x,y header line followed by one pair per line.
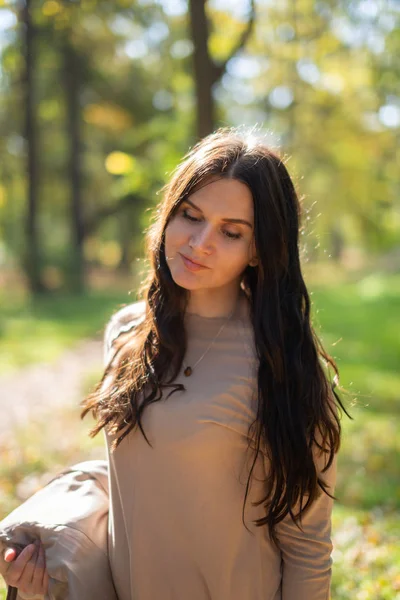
x,y
173,235
234,256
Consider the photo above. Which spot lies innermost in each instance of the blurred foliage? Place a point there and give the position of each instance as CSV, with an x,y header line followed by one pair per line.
x,y
366,555
320,79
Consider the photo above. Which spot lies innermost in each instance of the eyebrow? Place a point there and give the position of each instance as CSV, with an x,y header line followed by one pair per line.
x,y
226,220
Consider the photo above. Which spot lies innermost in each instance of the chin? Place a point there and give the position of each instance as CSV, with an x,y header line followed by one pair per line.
x,y
183,279
185,282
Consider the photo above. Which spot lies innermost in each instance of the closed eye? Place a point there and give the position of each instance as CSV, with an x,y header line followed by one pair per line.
x,y
189,217
228,234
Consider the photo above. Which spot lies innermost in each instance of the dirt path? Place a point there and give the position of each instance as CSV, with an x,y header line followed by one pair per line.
x,y
36,388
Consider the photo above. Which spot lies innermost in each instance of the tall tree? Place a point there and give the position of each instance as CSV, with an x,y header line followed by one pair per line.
x,y
72,78
206,71
32,252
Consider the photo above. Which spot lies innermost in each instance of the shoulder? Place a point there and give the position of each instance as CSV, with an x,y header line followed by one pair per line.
x,y
121,322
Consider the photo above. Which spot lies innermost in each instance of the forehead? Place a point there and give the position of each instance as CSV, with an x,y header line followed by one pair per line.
x,y
226,197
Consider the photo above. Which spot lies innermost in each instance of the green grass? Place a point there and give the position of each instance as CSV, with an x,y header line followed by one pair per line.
x,y
363,314
39,330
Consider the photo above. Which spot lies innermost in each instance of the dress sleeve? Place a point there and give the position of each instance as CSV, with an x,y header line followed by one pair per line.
x,y
121,322
306,555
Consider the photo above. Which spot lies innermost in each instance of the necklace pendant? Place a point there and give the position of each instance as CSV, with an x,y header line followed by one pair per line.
x,y
188,371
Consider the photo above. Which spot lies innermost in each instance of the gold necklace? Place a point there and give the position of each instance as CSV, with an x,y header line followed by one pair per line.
x,y
189,370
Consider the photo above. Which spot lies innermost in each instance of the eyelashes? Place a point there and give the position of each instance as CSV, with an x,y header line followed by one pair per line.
x,y
228,234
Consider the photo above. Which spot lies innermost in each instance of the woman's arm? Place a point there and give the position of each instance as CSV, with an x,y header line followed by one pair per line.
x,y
307,562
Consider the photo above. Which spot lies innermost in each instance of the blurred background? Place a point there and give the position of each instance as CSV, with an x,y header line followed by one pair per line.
x,y
99,100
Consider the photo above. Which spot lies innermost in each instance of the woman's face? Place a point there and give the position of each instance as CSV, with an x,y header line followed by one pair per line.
x,y
213,227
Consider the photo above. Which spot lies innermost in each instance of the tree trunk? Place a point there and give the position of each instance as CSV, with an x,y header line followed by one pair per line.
x,y
206,71
203,68
72,86
31,260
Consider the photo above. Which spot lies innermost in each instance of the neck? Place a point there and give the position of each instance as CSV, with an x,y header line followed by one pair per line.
x,y
213,303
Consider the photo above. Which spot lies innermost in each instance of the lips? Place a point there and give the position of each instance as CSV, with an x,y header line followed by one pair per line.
x,y
190,264
193,261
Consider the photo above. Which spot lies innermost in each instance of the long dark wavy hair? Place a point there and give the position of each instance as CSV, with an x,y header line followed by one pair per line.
x,y
297,404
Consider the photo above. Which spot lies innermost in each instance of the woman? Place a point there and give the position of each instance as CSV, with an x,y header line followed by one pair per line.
x,y
221,425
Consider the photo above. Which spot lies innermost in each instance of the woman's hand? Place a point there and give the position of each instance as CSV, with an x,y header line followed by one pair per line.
x,y
27,571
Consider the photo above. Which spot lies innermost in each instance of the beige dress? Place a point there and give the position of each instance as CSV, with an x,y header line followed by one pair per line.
x,y
175,524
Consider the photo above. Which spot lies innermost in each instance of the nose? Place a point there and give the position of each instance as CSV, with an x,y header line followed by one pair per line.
x,y
202,239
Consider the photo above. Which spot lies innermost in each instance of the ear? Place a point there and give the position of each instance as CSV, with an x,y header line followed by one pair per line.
x,y
254,259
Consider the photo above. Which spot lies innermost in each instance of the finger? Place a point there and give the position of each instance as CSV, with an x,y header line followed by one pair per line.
x,y
37,577
10,554
25,580
45,582
18,565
